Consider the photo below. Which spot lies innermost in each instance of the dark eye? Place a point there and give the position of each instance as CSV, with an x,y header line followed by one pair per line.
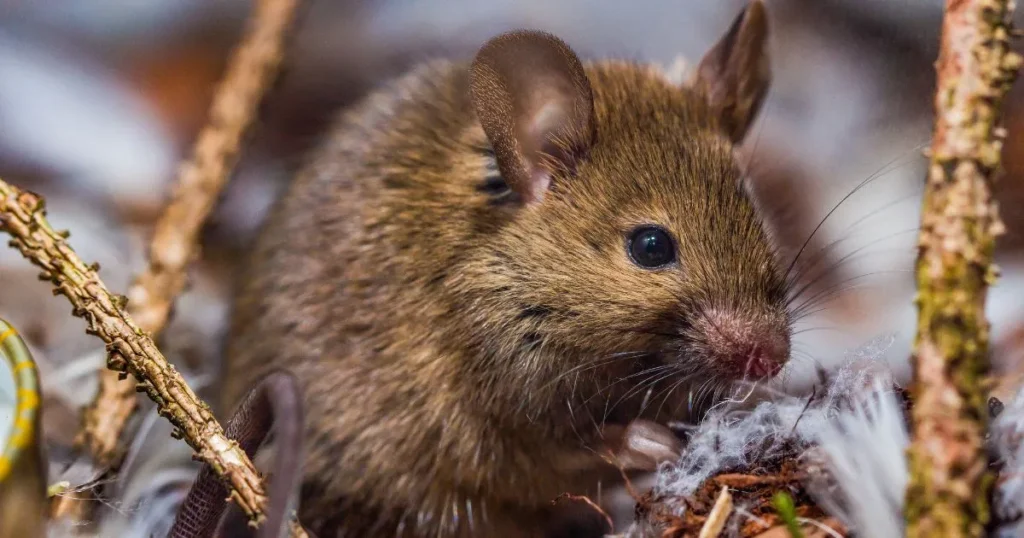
x,y
651,247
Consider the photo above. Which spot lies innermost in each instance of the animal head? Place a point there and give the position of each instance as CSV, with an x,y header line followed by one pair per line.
x,y
633,239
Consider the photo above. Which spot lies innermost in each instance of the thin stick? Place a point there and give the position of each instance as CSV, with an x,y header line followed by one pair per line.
x,y
949,483
252,68
129,348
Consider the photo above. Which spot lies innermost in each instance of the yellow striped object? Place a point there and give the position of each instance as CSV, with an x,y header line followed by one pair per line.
x,y
22,470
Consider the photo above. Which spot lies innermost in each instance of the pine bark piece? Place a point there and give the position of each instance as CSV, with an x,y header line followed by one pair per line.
x,y
252,68
129,348
949,483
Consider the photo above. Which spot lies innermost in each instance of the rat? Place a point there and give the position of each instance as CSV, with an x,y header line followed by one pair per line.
x,y
489,270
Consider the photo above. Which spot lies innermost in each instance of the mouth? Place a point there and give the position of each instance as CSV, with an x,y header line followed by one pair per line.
x,y
758,363
683,380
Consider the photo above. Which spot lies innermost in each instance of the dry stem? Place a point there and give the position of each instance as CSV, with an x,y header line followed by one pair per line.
x,y
250,71
949,485
129,348
718,516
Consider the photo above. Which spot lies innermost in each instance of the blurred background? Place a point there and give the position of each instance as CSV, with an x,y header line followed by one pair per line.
x,y
99,101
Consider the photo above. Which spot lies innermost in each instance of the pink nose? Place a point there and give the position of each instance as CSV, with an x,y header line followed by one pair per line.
x,y
745,346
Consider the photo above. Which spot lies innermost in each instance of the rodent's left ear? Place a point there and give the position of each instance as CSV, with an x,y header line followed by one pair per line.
x,y
734,75
535,103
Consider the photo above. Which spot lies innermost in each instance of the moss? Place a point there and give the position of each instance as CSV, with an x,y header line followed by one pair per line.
x,y
949,482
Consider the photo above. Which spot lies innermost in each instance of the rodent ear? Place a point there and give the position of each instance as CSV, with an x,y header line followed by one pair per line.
x,y
535,103
734,75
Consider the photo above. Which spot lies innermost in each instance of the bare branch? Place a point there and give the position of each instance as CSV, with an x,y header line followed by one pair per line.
x,y
251,69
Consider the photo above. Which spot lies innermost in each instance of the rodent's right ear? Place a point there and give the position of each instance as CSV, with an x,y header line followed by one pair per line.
x,y
735,74
535,103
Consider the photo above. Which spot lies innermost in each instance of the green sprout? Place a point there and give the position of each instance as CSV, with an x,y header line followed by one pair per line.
x,y
787,511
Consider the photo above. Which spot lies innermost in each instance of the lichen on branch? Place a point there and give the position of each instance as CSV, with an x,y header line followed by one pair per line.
x,y
949,481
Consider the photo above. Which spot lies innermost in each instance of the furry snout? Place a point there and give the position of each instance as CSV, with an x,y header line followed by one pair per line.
x,y
744,346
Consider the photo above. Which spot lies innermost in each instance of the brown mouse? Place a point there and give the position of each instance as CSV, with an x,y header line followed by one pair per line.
x,y
486,266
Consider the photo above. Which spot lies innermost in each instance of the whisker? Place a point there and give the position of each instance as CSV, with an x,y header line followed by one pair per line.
x,y
848,257
572,424
645,331
795,276
880,173
668,393
815,329
832,291
647,373
648,381
622,355
732,400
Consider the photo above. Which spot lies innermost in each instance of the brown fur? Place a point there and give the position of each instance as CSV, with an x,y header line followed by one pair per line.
x,y
459,348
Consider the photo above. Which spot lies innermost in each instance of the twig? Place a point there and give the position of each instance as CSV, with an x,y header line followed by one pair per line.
x,y
129,348
251,69
586,501
718,516
173,246
949,483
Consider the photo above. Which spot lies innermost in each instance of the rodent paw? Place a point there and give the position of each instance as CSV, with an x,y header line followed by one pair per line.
x,y
642,445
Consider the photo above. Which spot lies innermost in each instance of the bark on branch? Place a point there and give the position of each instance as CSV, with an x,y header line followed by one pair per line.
x,y
130,349
949,483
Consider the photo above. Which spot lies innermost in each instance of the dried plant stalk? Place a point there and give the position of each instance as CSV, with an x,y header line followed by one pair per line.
x,y
129,348
718,516
949,483
250,71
